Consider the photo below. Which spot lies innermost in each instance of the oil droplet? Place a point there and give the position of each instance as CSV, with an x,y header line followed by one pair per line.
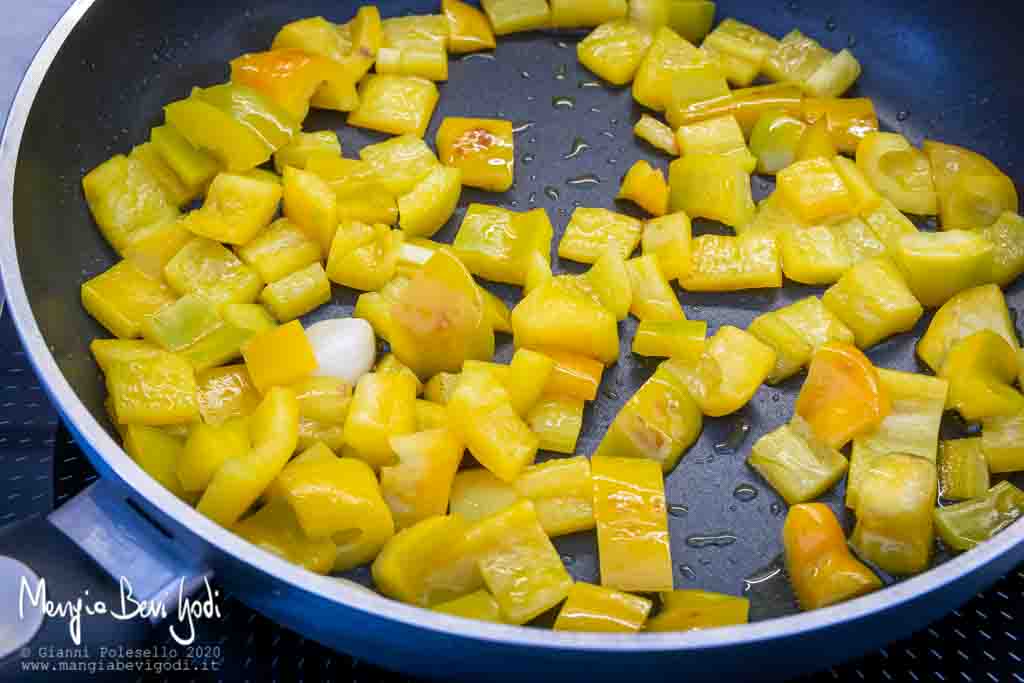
x,y
595,110
529,158
563,102
552,193
588,84
561,72
532,140
526,75
851,41
561,44
776,398
579,146
720,540
614,122
533,179
903,116
612,161
568,559
533,198
745,493
585,180
677,510
776,509
524,126
515,203
531,98
477,57
793,6
608,134
761,576
734,441
687,572
563,212
830,24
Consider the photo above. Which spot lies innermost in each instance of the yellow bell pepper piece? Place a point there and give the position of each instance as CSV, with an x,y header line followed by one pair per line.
x,y
692,19
1007,235
415,29
874,301
645,186
482,415
1001,439
965,525
653,298
311,204
441,387
151,248
193,167
419,485
216,132
742,41
476,494
668,239
775,141
813,190
608,283
499,245
586,13
124,197
657,134
602,610
972,191
632,524
364,257
529,375
518,563
207,448
721,135
181,324
177,193
305,145
711,186
796,463
553,317
815,255
424,210
895,529
288,76
421,60
271,123
226,393
815,322
483,149
970,311
398,105
297,294
515,16
792,350
820,566
746,104
400,163
275,529
158,454
727,375
981,370
848,120
390,363
122,297
207,268
279,356
614,50
688,610
591,232
154,388
834,77
557,421
468,28
669,55
963,257
573,376
480,605
273,429
670,339
816,143
963,469
279,251
901,173
843,395
795,59
383,406
438,322
720,263
697,83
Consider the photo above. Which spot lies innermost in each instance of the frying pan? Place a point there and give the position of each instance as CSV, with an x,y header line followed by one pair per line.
x,y
97,87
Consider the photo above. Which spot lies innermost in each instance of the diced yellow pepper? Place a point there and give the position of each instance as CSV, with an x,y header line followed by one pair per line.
x,y
816,255
602,610
324,399
468,28
297,294
482,415
122,297
310,204
901,173
843,395
498,244
772,219
865,198
659,422
305,145
193,167
796,463
813,190
476,494
398,105
421,60
873,299
226,393
614,50
795,59
557,422
400,163
720,263
608,283
816,143
151,248
981,370
692,19
480,605
849,120
279,251
591,232
176,191
711,186
236,209
275,529
279,357
124,196
155,389
515,16
821,568
217,133
271,123
670,339
792,350
669,55
688,610
721,135
964,258
586,13
668,239
288,76
237,484
835,76
963,469
364,257
815,322
574,376
181,324
419,485
972,191
696,83
742,41
890,225
415,29
553,317
207,268
970,311
158,454
1007,235
426,563
441,387
383,406
390,363
965,525
529,374
207,448
439,321
518,563
653,298
657,134
1001,440
483,149
632,524
646,187
775,141
424,210
894,528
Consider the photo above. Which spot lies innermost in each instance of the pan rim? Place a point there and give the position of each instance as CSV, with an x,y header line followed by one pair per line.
x,y
100,446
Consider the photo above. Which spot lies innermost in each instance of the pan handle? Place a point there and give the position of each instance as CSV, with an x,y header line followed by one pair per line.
x,y
96,573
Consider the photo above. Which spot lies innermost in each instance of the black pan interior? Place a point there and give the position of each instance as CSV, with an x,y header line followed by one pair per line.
x,y
942,70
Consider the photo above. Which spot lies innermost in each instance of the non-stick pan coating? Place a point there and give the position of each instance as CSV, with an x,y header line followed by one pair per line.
x,y
942,70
